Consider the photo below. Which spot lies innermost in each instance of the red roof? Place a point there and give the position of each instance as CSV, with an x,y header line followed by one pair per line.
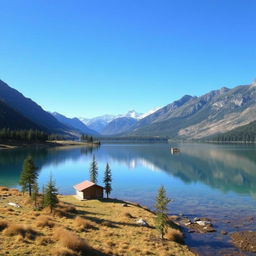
x,y
84,185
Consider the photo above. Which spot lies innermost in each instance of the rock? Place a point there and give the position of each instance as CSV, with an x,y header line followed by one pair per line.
x,y
203,223
223,232
187,223
125,205
196,219
142,222
14,205
245,240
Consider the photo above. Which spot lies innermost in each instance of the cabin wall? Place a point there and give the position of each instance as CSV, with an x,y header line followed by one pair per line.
x,y
93,193
80,194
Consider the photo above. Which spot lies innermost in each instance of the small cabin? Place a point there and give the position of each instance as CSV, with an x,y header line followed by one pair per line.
x,y
174,150
88,190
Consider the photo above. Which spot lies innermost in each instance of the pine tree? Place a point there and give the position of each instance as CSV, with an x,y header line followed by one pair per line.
x,y
28,175
35,193
50,195
107,180
93,170
161,211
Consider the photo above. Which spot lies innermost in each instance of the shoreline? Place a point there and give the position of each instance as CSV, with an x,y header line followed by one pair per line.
x,y
56,143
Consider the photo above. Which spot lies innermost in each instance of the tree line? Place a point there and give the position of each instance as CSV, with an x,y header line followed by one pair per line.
x,y
230,137
89,139
7,134
28,136
245,133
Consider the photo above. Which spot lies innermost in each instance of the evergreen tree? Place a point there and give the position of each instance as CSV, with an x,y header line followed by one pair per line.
x,y
107,180
93,170
50,195
28,175
161,211
35,193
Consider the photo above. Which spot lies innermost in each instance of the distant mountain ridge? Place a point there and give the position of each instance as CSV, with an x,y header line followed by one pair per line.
x,y
118,125
74,124
100,123
29,109
197,117
190,117
9,118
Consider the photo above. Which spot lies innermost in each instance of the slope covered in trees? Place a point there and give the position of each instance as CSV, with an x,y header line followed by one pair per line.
x,y
245,133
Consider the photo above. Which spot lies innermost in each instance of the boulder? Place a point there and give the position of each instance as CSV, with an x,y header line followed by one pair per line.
x,y
14,205
142,222
203,223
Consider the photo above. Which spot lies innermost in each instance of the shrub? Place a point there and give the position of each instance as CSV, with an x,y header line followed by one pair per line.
x,y
83,224
4,189
3,225
128,215
64,210
174,235
44,240
59,213
24,231
15,192
67,208
70,240
44,221
106,223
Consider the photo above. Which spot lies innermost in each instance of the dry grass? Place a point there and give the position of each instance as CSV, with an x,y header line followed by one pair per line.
x,y
128,215
83,224
44,221
66,208
107,223
20,230
63,210
3,225
61,251
44,240
175,235
70,240
113,231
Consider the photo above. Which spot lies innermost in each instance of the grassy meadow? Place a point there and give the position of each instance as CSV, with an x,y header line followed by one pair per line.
x,y
82,228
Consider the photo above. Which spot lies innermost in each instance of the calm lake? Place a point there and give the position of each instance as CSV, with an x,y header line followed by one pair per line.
x,y
204,180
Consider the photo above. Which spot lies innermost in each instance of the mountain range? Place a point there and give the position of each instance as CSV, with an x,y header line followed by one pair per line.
x,y
191,117
30,110
194,117
102,124
74,124
9,118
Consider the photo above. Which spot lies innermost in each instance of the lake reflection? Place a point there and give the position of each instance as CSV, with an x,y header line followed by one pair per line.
x,y
204,179
228,168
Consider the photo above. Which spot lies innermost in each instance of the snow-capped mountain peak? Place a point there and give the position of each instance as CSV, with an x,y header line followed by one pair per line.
x,y
149,112
132,114
100,122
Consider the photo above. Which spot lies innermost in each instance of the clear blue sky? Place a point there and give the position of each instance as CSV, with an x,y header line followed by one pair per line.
x,y
86,58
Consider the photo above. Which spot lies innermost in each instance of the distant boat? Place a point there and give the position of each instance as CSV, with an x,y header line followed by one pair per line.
x,y
174,150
